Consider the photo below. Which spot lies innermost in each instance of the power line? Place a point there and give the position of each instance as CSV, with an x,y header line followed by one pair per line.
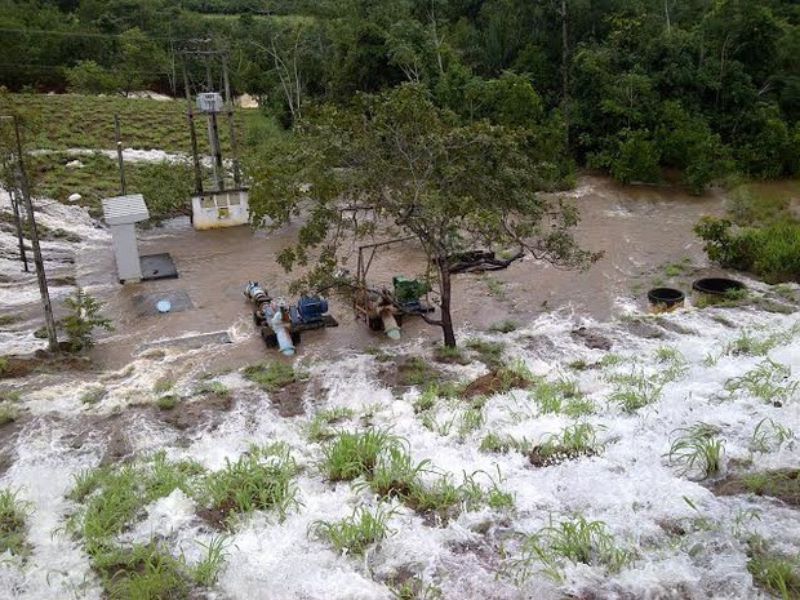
x,y
89,34
41,67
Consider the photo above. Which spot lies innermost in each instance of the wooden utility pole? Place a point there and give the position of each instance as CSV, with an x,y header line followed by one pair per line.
x,y
50,322
198,174
121,163
237,176
213,135
18,223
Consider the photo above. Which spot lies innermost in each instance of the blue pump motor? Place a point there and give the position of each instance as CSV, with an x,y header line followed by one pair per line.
x,y
311,308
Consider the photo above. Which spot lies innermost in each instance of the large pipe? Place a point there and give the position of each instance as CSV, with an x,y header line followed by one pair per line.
x,y
275,314
390,325
280,326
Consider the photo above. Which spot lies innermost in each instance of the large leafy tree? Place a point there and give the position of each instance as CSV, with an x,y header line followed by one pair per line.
x,y
453,187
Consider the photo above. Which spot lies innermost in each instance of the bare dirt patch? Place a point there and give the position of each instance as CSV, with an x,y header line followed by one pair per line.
x,y
540,458
204,412
782,484
496,382
592,339
42,362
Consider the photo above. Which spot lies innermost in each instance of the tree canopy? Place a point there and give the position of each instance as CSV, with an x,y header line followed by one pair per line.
x,y
635,87
395,159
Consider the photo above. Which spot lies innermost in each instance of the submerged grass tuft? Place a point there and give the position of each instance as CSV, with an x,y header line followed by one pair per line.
x,y
489,353
13,523
777,574
697,449
272,376
573,441
561,396
769,435
769,381
111,499
635,390
356,533
506,326
576,541
213,388
352,455
320,430
261,479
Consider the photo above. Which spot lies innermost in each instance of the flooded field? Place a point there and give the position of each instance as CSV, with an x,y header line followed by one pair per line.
x,y
641,230
547,462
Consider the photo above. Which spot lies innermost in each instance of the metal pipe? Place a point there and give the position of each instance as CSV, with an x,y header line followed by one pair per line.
x,y
390,325
281,327
275,316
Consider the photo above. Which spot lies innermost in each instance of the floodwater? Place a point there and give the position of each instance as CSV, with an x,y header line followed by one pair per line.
x,y
639,229
684,541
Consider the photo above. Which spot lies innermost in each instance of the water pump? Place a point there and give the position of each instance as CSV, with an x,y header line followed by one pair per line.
x,y
281,324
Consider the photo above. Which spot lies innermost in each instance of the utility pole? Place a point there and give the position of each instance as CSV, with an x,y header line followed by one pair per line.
x,y
18,222
50,322
213,135
198,175
119,154
237,176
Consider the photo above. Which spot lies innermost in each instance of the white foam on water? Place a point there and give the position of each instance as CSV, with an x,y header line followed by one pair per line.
x,y
42,474
630,485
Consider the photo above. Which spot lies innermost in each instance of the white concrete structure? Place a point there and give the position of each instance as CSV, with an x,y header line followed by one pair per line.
x,y
220,209
120,214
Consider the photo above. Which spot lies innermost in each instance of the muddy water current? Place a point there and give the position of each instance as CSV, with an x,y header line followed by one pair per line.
x,y
641,230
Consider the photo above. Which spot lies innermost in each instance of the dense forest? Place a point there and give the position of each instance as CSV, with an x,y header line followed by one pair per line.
x,y
644,89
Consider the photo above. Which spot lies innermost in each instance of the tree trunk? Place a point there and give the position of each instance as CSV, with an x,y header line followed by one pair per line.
x,y
446,318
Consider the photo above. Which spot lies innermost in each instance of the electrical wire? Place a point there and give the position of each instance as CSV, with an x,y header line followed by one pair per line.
x,y
92,34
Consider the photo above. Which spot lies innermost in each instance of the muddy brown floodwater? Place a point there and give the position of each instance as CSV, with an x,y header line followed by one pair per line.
x,y
640,229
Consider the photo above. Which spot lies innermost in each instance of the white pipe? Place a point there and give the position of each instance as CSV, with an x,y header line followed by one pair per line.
x,y
390,325
281,330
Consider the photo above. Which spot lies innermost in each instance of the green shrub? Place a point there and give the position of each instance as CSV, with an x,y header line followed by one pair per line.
x,y
167,402
771,252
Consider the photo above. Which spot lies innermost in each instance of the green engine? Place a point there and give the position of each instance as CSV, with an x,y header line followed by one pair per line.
x,y
407,292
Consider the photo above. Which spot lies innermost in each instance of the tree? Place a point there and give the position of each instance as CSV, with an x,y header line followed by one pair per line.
x,y
142,61
83,319
453,187
88,77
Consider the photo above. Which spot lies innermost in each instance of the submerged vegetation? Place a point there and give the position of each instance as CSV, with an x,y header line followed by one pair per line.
x,y
14,514
572,540
110,500
451,118
272,376
261,479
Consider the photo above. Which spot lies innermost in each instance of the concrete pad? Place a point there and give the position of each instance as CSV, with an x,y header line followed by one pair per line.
x,y
145,304
190,342
158,266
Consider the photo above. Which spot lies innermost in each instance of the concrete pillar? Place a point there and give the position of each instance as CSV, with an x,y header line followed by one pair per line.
x,y
121,213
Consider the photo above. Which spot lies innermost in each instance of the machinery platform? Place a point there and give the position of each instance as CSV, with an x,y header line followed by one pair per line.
x,y
158,266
